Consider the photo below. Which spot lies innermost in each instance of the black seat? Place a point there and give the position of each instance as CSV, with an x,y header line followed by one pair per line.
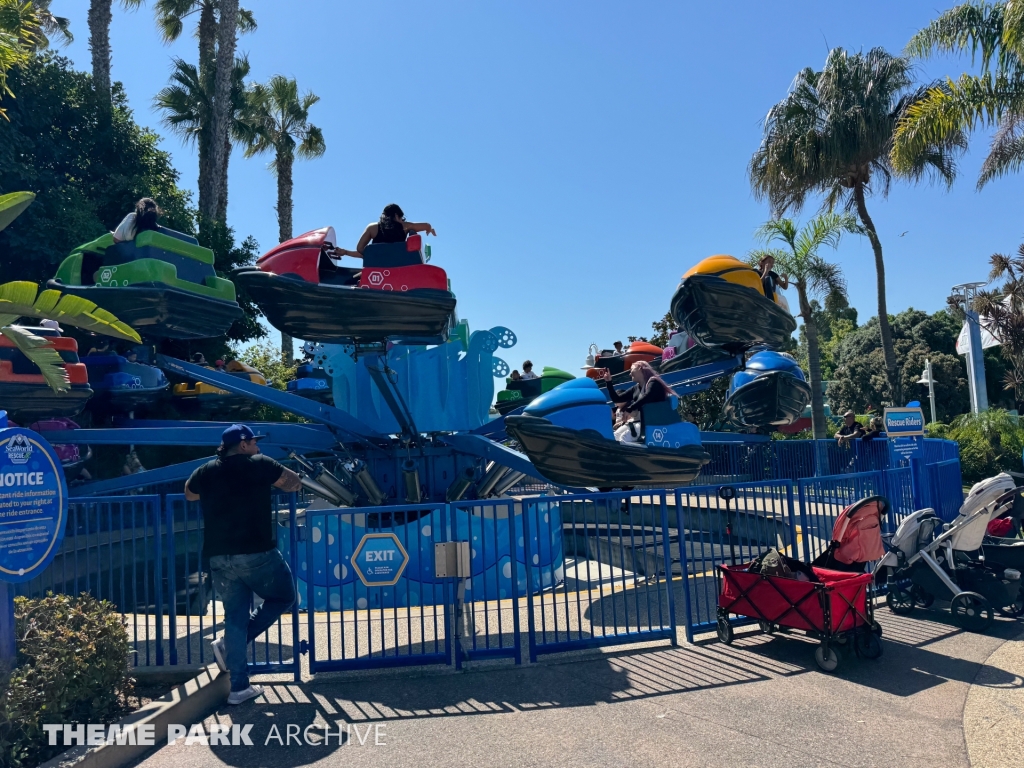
x,y
660,414
529,387
390,255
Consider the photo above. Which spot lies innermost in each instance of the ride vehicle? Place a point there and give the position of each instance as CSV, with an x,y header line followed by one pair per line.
x,y
312,382
71,456
203,399
608,359
567,434
770,391
162,284
123,386
721,303
395,295
520,392
24,393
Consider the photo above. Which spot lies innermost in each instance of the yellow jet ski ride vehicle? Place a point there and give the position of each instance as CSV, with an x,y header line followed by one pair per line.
x,y
210,401
721,303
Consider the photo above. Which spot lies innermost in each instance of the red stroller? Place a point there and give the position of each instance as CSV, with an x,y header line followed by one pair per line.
x,y
832,604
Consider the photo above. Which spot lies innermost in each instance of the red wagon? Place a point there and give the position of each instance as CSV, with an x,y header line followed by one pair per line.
x,y
837,609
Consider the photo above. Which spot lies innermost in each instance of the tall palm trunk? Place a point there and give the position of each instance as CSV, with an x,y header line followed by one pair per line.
x,y
813,363
888,351
285,159
227,29
222,202
100,15
207,67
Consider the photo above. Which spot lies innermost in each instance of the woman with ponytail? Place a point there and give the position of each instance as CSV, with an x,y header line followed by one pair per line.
x,y
649,388
390,228
142,218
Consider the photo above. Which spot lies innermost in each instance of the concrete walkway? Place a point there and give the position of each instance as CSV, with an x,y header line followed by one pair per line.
x,y
761,702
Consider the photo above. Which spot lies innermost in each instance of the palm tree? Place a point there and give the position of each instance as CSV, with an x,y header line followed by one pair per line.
x,y
810,274
49,26
23,299
220,125
187,105
18,27
100,15
278,122
993,97
171,16
832,135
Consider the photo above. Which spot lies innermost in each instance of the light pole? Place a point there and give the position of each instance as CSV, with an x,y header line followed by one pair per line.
x,y
963,296
927,378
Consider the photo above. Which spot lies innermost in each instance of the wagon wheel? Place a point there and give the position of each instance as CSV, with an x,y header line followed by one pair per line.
x,y
868,645
725,633
899,601
767,627
922,597
971,611
827,658
1013,611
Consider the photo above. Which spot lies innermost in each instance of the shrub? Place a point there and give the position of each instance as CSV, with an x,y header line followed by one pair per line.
x,y
990,442
72,667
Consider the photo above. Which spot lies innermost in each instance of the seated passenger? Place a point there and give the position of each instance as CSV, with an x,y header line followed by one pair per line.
x,y
528,371
142,218
649,388
515,376
619,351
392,228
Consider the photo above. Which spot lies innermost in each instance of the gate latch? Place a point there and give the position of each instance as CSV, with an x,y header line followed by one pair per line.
x,y
451,560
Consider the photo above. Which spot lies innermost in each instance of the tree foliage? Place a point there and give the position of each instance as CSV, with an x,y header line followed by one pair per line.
x,y
859,381
990,442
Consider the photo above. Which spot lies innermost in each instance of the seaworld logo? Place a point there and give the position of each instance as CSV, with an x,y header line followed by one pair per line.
x,y
19,450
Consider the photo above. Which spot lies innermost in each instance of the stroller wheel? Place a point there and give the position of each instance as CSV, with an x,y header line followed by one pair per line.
x,y
971,611
725,633
1013,611
868,645
767,627
899,602
826,657
922,598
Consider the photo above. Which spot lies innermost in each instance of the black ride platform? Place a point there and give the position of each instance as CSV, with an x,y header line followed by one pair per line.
x,y
585,459
160,311
717,313
333,313
775,398
26,403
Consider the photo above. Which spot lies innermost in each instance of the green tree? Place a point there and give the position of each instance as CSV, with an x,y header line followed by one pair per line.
x,y
19,29
1003,309
834,321
859,382
832,135
187,107
993,34
171,16
278,123
810,274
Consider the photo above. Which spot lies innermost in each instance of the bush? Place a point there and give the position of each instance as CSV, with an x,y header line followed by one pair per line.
x,y
990,443
72,667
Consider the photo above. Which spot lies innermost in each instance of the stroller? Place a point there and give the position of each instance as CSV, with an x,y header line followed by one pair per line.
x,y
921,565
1008,552
829,600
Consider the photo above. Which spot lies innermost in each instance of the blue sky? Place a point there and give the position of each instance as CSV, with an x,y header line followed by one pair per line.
x,y
575,158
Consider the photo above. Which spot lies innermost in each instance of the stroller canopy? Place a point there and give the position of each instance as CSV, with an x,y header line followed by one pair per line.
x,y
857,534
987,500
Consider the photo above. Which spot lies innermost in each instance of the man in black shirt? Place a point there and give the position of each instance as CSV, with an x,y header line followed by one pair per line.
x,y
241,542
850,429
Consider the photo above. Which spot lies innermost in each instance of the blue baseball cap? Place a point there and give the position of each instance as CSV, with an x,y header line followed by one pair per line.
x,y
236,433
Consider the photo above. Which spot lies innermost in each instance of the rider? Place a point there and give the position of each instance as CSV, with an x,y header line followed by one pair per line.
x,y
391,228
649,388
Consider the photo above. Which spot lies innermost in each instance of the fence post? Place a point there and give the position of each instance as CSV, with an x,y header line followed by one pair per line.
x,y
158,583
684,566
804,530
293,543
172,576
668,567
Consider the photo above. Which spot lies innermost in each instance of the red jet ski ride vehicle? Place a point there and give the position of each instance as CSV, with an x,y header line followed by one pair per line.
x,y
394,296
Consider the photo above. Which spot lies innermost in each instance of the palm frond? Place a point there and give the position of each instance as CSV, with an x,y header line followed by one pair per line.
x,y
20,299
39,350
12,205
1006,153
973,27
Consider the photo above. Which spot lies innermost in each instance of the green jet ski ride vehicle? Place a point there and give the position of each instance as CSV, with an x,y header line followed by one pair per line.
x,y
162,284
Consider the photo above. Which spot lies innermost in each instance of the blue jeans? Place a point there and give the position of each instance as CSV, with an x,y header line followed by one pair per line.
x,y
237,578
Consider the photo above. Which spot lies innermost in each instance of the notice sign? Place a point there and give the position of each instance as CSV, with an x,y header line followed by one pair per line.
x,y
33,504
379,559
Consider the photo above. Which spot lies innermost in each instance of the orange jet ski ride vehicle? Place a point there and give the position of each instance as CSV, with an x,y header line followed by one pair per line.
x,y
24,393
721,303
567,433
616,363
304,292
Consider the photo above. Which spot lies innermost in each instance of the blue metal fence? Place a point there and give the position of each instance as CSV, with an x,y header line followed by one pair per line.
x,y
614,586
821,499
945,488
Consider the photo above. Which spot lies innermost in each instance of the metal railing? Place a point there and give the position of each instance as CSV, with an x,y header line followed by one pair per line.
x,y
945,487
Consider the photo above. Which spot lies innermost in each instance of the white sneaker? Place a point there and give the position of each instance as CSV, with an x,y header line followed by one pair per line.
x,y
237,697
219,654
